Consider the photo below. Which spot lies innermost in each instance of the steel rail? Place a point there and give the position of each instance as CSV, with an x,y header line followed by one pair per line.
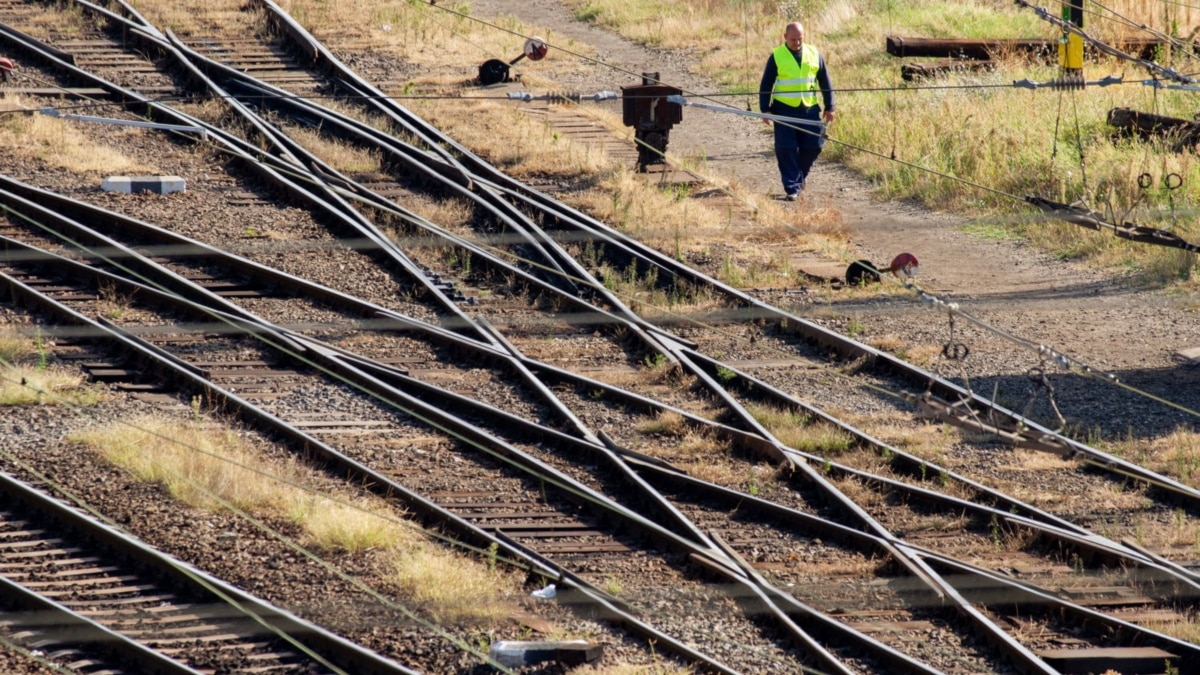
x,y
1037,520
431,135
1022,597
633,323
72,634
377,100
328,201
338,650
345,468
313,349
504,211
276,174
807,524
167,281
168,285
749,385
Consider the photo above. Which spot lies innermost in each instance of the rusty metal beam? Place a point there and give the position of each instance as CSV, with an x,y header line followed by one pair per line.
x,y
1184,133
962,48
921,71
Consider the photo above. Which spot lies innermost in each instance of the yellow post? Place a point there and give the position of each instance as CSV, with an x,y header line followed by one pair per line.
x,y
1070,50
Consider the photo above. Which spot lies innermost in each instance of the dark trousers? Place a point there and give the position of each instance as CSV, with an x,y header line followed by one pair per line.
x,y
797,144
796,153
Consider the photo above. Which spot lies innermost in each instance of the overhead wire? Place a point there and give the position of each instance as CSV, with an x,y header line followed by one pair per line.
x,y
952,307
914,166
237,511
941,174
391,403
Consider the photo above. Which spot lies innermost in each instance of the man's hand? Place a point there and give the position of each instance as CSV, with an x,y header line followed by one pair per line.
x,y
829,115
766,121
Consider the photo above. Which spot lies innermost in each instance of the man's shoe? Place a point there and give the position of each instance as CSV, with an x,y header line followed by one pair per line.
x,y
792,196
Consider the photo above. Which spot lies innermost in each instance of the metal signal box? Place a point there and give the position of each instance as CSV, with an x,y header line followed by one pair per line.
x,y
645,108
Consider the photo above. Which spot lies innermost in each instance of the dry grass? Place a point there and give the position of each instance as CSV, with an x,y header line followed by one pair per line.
x,y
205,466
201,17
338,154
917,354
633,669
899,430
15,347
52,385
452,587
755,479
863,495
1188,630
797,431
667,423
61,143
27,379
452,214
65,21
1176,455
1032,460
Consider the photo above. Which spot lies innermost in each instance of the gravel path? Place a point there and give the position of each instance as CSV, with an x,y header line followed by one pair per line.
x,y
1085,313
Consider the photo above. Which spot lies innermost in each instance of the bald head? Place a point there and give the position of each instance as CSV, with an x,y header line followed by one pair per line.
x,y
793,36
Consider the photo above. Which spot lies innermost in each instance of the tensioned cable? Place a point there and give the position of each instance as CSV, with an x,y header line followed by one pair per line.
x,y
1084,367
1177,3
94,104
277,478
262,526
1187,49
868,151
1162,71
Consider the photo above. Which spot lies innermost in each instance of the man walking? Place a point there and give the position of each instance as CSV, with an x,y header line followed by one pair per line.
x,y
790,82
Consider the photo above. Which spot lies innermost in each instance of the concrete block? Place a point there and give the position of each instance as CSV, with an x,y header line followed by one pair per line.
x,y
130,184
516,653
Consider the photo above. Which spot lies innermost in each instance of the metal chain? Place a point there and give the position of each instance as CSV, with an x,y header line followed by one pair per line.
x,y
957,352
1040,382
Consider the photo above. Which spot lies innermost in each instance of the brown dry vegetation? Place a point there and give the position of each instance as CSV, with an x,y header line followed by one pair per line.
x,y
214,467
59,142
26,377
673,221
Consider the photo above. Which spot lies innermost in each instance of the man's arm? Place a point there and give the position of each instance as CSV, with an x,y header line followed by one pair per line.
x,y
770,73
826,90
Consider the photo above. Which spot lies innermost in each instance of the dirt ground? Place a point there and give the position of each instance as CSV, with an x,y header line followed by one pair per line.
x,y
1085,313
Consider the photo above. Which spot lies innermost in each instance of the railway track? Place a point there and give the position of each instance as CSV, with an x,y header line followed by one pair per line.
x,y
560,535
91,599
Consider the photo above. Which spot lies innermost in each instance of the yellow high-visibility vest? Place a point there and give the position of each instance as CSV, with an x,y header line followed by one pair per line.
x,y
796,83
